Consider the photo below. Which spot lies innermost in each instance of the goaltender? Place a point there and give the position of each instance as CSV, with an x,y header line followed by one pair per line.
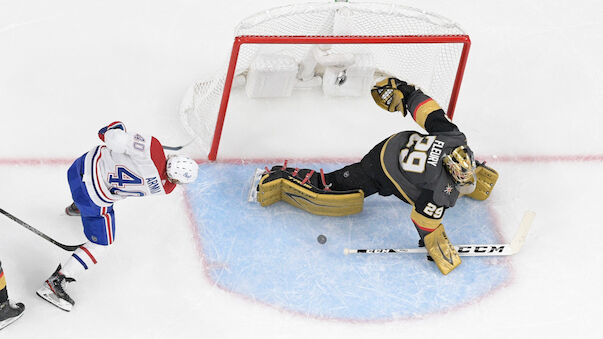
x,y
428,171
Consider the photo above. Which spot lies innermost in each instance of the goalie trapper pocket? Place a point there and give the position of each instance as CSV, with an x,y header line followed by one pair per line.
x,y
486,179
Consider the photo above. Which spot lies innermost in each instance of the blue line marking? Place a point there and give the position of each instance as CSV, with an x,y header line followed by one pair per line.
x,y
271,254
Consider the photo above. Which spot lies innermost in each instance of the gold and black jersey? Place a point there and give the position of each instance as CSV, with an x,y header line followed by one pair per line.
x,y
412,161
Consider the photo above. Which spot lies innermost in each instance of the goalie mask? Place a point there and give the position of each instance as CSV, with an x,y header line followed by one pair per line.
x,y
181,169
460,164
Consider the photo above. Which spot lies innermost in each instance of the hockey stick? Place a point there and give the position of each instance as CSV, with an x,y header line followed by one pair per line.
x,y
177,148
471,250
173,148
36,231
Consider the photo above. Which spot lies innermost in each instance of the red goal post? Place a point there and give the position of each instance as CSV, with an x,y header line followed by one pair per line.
x,y
445,62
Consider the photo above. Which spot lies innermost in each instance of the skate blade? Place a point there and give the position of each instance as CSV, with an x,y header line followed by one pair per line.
x,y
252,196
9,321
48,295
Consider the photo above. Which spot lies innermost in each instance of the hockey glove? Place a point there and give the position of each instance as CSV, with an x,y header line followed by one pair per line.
x,y
390,94
441,250
114,125
486,179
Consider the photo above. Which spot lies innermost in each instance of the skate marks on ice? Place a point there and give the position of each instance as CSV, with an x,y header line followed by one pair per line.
x,y
271,254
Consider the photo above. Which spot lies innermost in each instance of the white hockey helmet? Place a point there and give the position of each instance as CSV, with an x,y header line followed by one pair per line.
x,y
181,169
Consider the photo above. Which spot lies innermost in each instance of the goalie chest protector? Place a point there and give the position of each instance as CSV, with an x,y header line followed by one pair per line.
x,y
413,162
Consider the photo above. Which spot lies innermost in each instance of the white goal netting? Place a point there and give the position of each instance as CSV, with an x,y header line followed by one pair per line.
x,y
356,41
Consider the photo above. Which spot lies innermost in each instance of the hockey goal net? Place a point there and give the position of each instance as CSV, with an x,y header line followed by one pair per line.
x,y
342,48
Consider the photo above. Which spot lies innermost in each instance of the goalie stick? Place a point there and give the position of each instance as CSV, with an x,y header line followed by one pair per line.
x,y
36,231
470,250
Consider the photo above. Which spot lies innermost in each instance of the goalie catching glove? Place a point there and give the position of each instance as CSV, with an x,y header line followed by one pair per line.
x,y
390,94
300,188
486,179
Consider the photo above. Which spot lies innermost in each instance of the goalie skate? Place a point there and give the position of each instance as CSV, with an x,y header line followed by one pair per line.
x,y
53,291
10,312
252,196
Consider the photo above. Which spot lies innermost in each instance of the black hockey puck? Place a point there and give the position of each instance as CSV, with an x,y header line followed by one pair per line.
x,y
321,239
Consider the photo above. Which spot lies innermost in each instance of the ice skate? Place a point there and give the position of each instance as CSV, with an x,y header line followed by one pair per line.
x,y
72,210
10,312
53,290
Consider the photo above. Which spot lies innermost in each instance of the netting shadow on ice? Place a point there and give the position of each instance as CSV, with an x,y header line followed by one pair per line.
x,y
271,254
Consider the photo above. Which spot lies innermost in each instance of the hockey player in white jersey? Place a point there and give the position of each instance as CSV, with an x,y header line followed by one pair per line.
x,y
127,165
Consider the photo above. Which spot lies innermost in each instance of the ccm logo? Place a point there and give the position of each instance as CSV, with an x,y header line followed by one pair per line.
x,y
480,249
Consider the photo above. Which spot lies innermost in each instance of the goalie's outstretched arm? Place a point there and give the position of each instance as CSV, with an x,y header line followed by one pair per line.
x,y
395,95
428,113
427,217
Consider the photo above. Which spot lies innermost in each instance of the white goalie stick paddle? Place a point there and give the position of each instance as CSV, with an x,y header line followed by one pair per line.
x,y
471,250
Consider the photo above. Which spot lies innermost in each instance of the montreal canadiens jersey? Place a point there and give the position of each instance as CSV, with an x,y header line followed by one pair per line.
x,y
128,165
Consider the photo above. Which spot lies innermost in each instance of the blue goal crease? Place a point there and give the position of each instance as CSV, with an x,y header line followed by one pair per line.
x,y
271,253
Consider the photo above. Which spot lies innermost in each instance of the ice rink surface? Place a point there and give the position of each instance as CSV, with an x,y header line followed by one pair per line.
x,y
202,262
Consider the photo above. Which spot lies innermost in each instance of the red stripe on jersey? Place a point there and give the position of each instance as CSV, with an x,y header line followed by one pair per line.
x,y
113,124
414,113
108,224
423,228
1,274
89,254
158,157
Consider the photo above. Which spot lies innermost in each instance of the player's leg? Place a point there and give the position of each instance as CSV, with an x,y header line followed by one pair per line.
x,y
75,174
9,312
351,177
307,189
367,175
82,259
99,228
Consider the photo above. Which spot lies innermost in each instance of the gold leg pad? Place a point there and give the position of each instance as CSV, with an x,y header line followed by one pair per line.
x,y
309,199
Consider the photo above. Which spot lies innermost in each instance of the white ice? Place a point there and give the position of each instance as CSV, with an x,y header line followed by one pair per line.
x,y
530,103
